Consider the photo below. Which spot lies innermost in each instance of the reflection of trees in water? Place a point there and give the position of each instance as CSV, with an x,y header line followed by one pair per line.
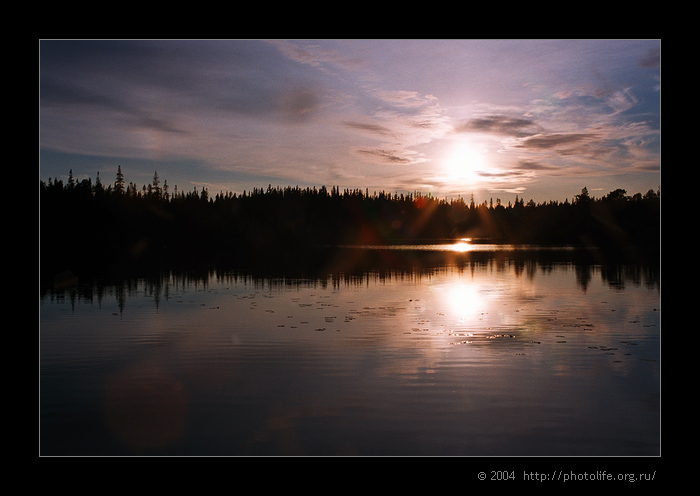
x,y
356,267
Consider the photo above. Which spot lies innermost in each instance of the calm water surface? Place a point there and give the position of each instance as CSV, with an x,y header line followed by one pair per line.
x,y
495,355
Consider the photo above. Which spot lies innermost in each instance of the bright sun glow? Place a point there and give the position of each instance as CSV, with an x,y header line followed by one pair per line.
x,y
464,164
464,299
461,245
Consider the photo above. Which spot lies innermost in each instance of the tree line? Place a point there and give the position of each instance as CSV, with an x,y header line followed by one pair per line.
x,y
90,221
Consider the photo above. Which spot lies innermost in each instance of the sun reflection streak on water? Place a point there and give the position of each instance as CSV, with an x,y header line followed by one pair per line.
x,y
461,246
463,299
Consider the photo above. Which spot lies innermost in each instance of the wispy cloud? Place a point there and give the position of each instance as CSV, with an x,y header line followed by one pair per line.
x,y
313,54
386,156
562,141
499,124
529,165
652,59
373,129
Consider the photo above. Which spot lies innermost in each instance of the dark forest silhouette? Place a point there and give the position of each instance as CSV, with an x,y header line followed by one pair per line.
x,y
87,224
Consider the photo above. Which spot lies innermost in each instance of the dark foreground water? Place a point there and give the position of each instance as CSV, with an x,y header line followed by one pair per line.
x,y
479,353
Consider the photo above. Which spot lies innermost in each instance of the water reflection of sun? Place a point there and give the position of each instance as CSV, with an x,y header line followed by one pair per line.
x,y
461,245
463,299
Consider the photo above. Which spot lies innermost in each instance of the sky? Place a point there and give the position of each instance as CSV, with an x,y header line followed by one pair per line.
x,y
492,118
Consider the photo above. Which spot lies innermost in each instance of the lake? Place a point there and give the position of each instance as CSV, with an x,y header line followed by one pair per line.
x,y
431,350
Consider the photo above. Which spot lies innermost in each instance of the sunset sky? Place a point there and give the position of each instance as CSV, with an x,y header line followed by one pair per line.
x,y
495,118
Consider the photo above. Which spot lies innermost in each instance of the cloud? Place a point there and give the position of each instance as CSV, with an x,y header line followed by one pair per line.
x,y
156,124
370,128
299,105
502,174
591,151
622,100
557,140
399,121
403,98
385,156
55,94
296,53
499,124
652,59
315,56
529,165
517,190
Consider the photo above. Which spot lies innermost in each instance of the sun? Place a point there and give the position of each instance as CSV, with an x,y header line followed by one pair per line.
x,y
463,163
